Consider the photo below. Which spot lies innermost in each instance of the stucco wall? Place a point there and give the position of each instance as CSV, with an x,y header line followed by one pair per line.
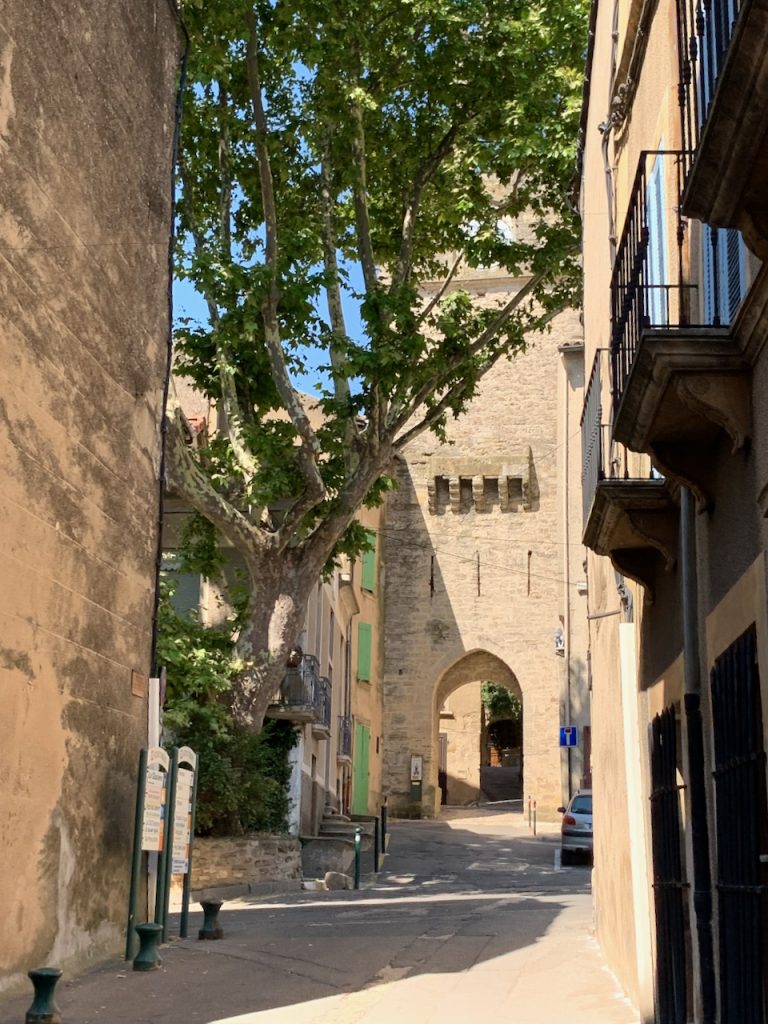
x,y
434,615
86,124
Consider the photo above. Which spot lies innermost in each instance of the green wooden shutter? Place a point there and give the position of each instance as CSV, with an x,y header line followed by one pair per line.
x,y
368,581
360,769
364,631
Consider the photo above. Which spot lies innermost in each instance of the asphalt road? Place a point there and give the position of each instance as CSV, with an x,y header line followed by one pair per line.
x,y
468,920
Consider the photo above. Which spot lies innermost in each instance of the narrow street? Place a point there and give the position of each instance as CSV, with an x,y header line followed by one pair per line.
x,y
467,921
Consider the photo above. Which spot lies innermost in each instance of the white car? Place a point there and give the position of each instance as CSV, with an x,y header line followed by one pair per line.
x,y
576,827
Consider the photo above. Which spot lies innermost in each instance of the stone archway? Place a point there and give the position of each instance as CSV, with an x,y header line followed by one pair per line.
x,y
464,750
459,726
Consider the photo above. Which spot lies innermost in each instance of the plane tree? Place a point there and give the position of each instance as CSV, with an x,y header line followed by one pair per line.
x,y
336,157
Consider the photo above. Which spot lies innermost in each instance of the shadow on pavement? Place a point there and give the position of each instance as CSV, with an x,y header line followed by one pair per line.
x,y
447,899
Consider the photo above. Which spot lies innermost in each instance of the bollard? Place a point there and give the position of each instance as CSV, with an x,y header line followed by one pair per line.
x,y
376,846
148,958
534,817
44,1009
358,843
384,826
529,812
211,928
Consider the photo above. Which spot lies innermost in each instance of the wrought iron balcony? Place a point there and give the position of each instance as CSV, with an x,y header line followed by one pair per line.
x,y
344,749
723,96
629,518
304,695
677,352
321,725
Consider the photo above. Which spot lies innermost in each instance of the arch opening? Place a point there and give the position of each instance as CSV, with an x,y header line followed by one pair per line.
x,y
479,732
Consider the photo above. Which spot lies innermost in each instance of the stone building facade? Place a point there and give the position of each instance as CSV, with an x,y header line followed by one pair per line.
x,y
476,582
87,101
674,180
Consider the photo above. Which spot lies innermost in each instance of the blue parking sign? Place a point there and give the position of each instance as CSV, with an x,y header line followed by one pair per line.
x,y
567,735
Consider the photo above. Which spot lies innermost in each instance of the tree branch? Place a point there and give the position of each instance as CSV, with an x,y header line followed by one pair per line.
x,y
225,205
455,391
434,384
339,336
443,289
427,170
233,415
310,448
186,478
319,544
360,195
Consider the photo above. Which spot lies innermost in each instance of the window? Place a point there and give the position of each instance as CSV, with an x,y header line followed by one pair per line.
x,y
186,585
656,261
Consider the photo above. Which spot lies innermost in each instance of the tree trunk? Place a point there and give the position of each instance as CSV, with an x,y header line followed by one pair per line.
x,y
279,592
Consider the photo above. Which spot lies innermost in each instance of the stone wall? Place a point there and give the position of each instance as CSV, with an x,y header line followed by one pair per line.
x,y
461,724
256,861
474,571
87,101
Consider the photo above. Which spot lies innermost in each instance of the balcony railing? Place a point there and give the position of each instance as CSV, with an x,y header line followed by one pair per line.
x,y
592,435
345,736
323,705
656,273
630,518
648,286
602,457
300,682
305,695
705,28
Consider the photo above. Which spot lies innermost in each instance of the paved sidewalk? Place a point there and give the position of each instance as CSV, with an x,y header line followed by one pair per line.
x,y
468,922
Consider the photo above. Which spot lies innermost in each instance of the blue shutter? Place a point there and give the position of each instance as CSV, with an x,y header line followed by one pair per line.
x,y
656,257
722,298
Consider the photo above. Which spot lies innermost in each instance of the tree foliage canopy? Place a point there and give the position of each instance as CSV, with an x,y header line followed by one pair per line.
x,y
336,157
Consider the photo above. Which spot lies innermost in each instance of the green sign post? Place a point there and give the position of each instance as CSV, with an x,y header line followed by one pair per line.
x,y
166,797
149,831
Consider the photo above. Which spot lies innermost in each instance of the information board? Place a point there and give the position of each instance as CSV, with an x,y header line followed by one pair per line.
x,y
182,821
155,801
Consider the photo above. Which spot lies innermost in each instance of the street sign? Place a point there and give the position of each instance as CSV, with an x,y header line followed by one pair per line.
x,y
155,797
568,735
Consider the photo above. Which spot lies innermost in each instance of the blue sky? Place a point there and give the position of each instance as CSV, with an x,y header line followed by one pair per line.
x,y
187,302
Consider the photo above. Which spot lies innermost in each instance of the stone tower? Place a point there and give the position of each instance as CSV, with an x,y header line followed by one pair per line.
x,y
477,576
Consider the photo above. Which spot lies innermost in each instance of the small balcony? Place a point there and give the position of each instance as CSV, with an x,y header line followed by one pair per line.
x,y
344,749
679,362
633,520
724,104
304,695
321,724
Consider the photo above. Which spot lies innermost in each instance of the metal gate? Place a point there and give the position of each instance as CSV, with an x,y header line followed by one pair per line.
x,y
668,881
740,817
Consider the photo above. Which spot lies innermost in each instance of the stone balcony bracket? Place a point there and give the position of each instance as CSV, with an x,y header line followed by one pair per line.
x,y
635,524
685,387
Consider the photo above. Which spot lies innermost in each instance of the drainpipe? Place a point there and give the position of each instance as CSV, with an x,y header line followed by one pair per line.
x,y
567,562
702,878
